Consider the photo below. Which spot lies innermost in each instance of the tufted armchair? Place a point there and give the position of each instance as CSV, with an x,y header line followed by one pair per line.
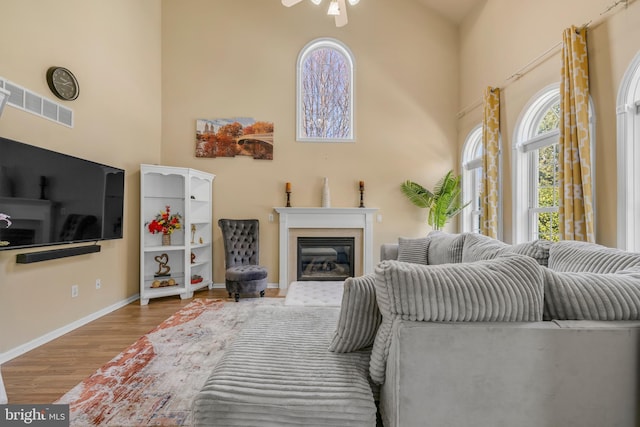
x,y
241,239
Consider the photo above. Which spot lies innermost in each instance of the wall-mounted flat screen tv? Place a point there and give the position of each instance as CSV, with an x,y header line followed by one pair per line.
x,y
51,198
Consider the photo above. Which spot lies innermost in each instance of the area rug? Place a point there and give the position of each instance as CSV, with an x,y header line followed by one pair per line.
x,y
154,381
315,294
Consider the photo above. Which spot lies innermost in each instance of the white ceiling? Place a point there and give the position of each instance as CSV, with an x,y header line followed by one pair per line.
x,y
454,10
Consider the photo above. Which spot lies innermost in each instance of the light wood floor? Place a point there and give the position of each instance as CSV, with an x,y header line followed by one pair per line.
x,y
46,373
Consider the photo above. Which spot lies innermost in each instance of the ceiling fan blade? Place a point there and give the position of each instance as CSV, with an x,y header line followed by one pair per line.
x,y
290,3
341,19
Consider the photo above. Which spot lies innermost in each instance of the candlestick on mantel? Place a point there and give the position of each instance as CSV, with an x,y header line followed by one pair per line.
x,y
287,189
362,194
361,185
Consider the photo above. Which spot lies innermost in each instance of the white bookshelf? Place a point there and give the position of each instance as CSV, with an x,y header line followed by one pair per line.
x,y
187,192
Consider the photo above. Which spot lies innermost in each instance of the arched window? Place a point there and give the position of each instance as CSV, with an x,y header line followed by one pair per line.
x,y
535,168
471,180
325,92
628,140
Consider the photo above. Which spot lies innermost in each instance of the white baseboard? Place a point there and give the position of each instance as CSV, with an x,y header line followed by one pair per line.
x,y
22,349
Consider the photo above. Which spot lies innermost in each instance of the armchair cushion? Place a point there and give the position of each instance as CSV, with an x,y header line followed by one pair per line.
x,y
359,316
505,289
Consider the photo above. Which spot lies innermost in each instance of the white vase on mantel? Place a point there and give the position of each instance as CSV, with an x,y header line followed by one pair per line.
x,y
326,195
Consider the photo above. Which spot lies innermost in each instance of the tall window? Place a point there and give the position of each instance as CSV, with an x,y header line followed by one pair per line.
x,y
471,180
536,168
536,188
325,92
628,114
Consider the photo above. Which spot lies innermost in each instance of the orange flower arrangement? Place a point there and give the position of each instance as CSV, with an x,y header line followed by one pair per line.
x,y
165,222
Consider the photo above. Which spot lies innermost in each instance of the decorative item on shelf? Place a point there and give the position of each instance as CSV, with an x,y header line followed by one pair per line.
x,y
163,267
193,232
361,194
166,223
326,196
163,283
200,240
193,258
287,189
195,278
6,218
444,203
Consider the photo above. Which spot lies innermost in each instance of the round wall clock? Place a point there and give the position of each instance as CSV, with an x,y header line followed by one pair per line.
x,y
63,83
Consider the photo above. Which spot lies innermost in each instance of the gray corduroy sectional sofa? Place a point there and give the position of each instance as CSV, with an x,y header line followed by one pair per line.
x,y
450,330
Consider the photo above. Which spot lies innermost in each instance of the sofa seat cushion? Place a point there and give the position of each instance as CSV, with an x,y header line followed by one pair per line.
x,y
592,296
572,256
505,289
278,372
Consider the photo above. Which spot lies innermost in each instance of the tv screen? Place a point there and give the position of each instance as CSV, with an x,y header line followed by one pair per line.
x,y
51,198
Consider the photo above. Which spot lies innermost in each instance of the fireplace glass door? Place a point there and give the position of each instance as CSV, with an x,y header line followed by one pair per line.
x,y
325,258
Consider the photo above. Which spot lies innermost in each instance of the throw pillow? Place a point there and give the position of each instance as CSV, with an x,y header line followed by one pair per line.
x,y
568,255
538,250
592,296
478,247
359,316
505,289
413,250
445,248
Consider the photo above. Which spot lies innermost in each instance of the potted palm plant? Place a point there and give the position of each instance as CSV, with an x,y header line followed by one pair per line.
x,y
444,202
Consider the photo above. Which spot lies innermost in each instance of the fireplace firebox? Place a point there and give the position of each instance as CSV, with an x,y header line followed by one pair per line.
x,y
325,258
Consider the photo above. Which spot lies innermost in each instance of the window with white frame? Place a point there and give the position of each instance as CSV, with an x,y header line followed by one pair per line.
x,y
535,168
325,92
472,180
628,153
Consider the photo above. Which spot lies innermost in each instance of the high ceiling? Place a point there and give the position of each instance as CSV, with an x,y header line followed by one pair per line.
x,y
454,10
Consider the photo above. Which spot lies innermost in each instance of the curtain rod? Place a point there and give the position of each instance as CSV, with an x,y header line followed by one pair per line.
x,y
539,59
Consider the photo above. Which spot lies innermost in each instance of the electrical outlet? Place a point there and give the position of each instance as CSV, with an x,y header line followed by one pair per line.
x,y
379,217
98,284
270,217
74,291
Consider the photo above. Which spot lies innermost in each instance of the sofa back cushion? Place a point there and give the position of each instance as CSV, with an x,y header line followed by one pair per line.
x,y
592,296
478,247
359,316
499,290
573,256
445,248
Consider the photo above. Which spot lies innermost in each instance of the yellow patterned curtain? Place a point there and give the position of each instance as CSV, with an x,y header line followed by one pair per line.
x,y
575,179
490,153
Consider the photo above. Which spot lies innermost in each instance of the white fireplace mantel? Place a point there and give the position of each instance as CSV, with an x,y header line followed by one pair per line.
x,y
313,218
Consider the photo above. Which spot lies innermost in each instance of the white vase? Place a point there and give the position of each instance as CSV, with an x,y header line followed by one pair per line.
x,y
326,196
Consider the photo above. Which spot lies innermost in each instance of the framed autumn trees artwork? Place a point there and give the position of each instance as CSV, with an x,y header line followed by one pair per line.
x,y
240,136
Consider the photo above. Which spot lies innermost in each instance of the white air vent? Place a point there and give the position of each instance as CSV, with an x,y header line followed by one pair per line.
x,y
31,102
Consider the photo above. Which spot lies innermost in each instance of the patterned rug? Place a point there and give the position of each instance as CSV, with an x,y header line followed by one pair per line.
x,y
154,380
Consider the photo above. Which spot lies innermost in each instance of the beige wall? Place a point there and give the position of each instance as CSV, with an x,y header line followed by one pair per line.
x,y
149,68
503,36
230,58
113,47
